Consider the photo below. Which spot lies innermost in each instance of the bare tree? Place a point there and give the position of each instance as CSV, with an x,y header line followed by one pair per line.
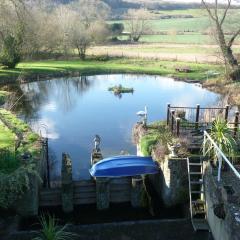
x,y
218,17
138,23
85,25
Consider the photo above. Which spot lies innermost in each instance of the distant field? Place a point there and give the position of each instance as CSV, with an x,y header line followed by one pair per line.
x,y
181,30
194,38
164,51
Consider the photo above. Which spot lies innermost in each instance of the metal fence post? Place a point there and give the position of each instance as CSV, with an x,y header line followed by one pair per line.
x,y
178,126
236,121
168,113
197,116
172,121
226,112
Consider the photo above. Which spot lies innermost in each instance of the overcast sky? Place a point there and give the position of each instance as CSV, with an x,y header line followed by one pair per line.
x,y
199,1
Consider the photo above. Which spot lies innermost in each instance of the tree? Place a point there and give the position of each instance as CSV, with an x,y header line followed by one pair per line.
x,y
84,24
12,31
218,17
138,23
115,29
10,55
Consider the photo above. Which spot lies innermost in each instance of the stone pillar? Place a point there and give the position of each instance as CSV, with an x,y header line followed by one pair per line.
x,y
136,192
67,184
103,193
28,204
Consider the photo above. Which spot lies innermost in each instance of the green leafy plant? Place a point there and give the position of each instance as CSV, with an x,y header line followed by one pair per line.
x,y
157,133
222,136
51,231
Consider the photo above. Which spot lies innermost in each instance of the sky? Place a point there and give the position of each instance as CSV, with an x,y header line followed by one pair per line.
x,y
199,1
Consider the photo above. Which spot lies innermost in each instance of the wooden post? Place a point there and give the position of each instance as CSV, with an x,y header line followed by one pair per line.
x,y
172,120
236,122
168,113
136,192
197,116
178,126
67,184
102,193
226,112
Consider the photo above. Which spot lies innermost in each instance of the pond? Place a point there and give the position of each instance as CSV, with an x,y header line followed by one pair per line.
x,y
72,110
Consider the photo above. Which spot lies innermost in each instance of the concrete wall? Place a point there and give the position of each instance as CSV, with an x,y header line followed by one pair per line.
x,y
180,229
222,229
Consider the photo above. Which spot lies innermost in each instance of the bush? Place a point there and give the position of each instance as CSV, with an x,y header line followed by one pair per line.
x,y
10,55
13,185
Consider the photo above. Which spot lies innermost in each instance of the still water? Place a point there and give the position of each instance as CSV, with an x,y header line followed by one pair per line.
x,y
70,111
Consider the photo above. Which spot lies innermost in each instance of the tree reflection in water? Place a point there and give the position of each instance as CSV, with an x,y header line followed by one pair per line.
x,y
27,98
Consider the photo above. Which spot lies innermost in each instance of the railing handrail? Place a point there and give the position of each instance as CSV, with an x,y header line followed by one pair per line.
x,y
213,108
222,155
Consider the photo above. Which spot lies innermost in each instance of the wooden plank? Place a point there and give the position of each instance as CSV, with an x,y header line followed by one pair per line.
x,y
120,181
50,191
49,203
117,199
84,195
84,201
84,183
84,189
120,187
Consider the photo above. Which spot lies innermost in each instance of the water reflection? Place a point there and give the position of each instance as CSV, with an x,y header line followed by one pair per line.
x,y
70,111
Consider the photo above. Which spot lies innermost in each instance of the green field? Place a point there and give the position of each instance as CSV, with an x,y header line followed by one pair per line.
x,y
194,38
183,30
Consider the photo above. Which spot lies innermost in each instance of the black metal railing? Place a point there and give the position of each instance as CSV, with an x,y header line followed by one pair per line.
x,y
182,119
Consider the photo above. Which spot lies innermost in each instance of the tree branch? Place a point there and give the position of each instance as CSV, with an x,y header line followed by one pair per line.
x,y
1,35
233,38
216,9
226,11
208,10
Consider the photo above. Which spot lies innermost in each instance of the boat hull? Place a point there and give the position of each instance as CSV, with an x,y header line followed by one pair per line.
x,y
124,166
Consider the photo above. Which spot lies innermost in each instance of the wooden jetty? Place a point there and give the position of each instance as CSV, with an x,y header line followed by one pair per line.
x,y
99,191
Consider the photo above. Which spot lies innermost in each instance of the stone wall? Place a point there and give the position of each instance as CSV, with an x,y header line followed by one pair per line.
x,y
225,226
171,183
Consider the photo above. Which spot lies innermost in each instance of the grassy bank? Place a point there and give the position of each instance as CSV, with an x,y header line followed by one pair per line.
x,y
117,65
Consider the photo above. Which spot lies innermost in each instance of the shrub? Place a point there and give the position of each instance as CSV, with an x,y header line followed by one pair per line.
x,y
13,185
10,55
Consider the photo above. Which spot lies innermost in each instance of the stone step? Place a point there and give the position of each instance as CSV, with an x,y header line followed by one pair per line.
x,y
195,173
195,164
198,202
200,224
196,182
195,192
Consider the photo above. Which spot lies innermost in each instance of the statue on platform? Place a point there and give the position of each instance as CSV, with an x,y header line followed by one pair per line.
x,y
97,141
143,115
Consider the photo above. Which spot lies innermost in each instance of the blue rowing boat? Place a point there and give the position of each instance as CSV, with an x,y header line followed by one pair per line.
x,y
124,166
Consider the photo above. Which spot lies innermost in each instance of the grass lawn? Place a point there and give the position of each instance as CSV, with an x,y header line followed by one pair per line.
x,y
7,137
117,65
